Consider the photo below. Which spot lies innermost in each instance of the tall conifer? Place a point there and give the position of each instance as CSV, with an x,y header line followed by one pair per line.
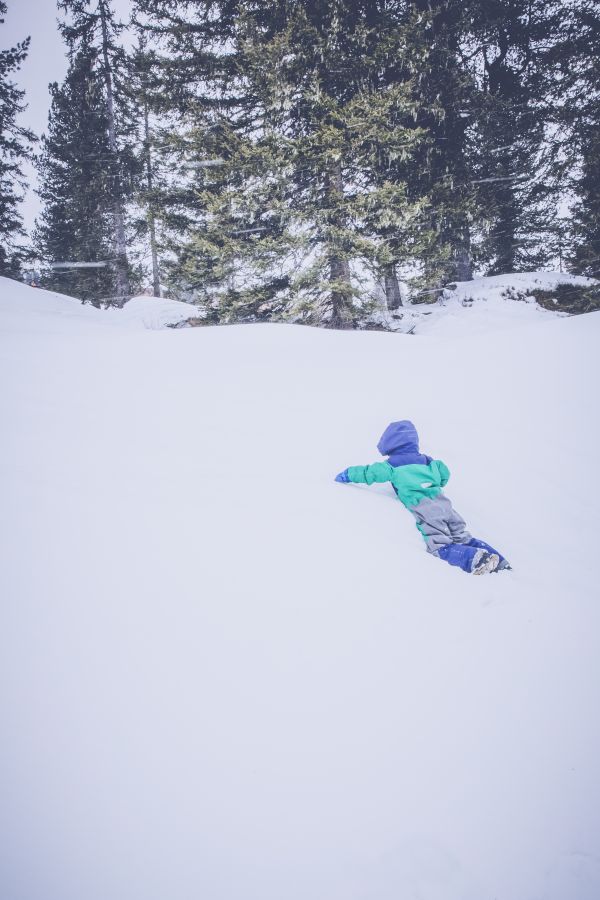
x,y
445,98
15,146
92,23
510,49
584,101
76,191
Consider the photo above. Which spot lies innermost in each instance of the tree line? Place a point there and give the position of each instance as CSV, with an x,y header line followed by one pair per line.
x,y
307,159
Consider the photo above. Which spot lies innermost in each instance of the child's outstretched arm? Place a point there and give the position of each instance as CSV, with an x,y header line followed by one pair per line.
x,y
444,471
376,473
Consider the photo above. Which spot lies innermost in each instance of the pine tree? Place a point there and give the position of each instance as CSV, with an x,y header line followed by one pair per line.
x,y
76,189
582,57
352,118
397,205
511,165
222,215
91,23
137,88
586,221
445,97
15,146
325,77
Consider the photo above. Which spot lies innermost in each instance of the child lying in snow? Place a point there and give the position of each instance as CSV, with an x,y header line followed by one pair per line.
x,y
418,481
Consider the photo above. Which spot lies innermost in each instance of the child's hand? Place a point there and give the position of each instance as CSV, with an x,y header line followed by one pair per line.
x,y
343,477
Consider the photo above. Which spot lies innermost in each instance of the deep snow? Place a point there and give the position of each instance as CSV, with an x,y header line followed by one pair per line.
x,y
223,675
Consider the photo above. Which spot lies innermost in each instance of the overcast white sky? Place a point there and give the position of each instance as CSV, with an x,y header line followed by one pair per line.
x,y
46,62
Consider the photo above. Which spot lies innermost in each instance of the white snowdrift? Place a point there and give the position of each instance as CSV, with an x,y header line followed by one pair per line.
x,y
225,676
474,307
493,303
496,287
152,313
30,308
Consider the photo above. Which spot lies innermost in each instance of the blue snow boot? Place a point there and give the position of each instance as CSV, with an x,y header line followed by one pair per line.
x,y
502,565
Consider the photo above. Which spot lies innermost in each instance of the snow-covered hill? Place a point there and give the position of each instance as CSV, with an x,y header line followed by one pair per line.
x,y
223,675
34,309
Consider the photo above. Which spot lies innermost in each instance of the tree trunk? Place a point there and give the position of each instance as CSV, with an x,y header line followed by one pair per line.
x,y
505,242
463,264
393,297
339,267
122,264
339,276
150,214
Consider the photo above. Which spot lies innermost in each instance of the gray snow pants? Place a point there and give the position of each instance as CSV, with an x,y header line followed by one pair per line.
x,y
439,523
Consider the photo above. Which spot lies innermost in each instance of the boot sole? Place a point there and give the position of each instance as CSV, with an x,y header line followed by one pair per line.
x,y
490,565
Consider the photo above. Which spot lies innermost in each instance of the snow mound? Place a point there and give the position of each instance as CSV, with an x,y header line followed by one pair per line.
x,y
495,287
35,309
152,313
492,303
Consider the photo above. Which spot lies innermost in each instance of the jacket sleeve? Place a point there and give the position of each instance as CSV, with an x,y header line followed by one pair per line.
x,y
377,472
444,472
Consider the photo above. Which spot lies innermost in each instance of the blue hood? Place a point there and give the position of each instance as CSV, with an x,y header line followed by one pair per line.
x,y
400,442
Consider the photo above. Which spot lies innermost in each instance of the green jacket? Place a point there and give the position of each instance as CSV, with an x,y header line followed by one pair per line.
x,y
412,483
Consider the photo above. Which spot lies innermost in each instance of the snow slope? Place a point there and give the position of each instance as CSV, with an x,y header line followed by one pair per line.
x,y
29,309
223,675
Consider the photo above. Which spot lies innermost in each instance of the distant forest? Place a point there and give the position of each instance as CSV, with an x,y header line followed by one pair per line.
x,y
307,160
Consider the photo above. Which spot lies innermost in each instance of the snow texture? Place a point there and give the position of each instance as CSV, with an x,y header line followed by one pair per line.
x,y
223,675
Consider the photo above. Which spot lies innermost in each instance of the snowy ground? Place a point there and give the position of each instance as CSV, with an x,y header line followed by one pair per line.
x,y
23,309
489,304
224,676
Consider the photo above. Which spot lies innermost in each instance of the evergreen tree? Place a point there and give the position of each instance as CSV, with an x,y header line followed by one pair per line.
x,y
349,111
137,96
313,123
222,214
351,120
76,189
583,55
92,24
15,146
445,97
511,165
391,145
586,220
